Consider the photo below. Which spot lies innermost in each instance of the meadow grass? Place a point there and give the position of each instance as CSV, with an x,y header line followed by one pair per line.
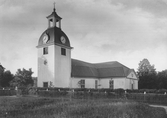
x,y
40,107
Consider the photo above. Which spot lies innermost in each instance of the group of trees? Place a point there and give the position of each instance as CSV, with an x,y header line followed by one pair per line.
x,y
149,78
22,78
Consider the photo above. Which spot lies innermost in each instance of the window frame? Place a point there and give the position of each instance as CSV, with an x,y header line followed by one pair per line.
x,y
45,50
96,84
82,83
111,84
63,51
45,83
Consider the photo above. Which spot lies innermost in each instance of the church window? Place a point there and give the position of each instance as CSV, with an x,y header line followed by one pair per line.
x,y
45,84
96,84
81,83
132,84
45,50
111,84
63,51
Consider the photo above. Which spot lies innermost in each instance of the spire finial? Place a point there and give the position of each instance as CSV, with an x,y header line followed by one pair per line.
x,y
54,6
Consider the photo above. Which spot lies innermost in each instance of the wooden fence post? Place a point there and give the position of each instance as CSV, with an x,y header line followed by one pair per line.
x,y
144,95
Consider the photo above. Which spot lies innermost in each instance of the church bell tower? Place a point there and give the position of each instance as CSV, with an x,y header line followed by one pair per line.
x,y
54,55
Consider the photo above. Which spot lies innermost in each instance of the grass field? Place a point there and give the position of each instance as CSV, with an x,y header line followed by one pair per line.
x,y
40,107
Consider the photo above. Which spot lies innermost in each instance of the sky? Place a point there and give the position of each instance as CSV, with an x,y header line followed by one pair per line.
x,y
126,31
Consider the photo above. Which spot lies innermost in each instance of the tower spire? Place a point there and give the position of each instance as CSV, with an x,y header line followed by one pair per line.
x,y
54,7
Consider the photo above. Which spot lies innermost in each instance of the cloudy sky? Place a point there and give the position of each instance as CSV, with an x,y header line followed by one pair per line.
x,y
99,30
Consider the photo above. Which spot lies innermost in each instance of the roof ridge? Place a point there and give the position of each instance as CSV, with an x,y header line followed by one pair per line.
x,y
104,62
81,61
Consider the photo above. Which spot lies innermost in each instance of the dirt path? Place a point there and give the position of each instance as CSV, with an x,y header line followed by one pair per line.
x,y
165,107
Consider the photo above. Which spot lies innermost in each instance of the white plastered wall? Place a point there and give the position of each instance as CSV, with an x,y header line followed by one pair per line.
x,y
45,70
89,82
118,82
132,79
58,68
62,67
102,83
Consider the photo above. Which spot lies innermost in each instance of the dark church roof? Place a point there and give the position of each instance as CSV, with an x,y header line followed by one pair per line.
x,y
54,14
99,70
54,34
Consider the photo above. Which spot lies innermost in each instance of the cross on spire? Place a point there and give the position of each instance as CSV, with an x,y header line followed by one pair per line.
x,y
54,6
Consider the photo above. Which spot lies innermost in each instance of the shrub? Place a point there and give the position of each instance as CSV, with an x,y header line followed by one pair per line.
x,y
7,92
52,93
120,91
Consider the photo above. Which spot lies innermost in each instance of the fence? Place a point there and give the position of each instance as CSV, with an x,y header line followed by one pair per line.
x,y
7,92
148,98
156,98
137,95
18,91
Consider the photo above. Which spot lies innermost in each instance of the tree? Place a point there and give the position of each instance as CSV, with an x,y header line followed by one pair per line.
x,y
162,80
145,67
147,75
1,70
7,76
23,78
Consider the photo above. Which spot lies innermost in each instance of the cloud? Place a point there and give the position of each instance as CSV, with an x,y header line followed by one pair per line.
x,y
156,7
121,30
127,35
130,30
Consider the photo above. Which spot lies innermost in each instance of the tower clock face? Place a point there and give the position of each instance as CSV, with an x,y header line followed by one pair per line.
x,y
45,38
63,39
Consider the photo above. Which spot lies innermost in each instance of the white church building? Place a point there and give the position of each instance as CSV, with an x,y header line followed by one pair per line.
x,y
57,69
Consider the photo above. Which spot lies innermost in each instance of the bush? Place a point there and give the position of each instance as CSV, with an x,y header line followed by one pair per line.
x,y
161,91
7,92
120,91
52,93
